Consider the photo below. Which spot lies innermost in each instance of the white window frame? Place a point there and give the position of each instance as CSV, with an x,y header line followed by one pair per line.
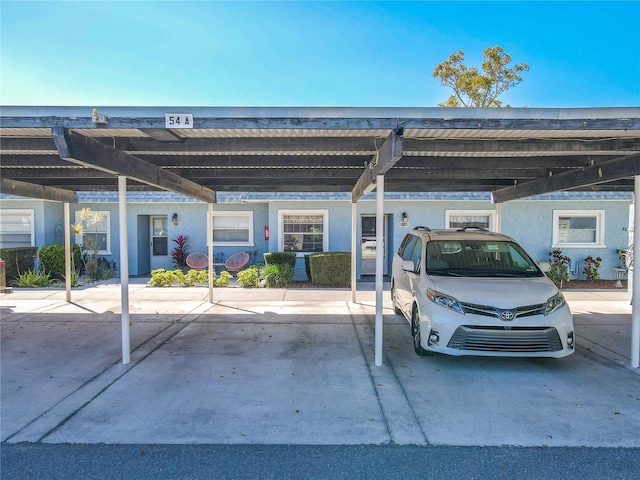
x,y
107,221
598,214
325,228
28,212
235,213
470,213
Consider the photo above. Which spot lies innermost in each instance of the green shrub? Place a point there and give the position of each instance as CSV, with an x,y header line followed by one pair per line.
x,y
280,258
17,259
591,266
331,269
278,275
52,259
249,277
192,278
33,279
559,272
224,279
165,278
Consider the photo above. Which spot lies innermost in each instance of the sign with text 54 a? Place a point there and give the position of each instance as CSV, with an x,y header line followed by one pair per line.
x,y
178,120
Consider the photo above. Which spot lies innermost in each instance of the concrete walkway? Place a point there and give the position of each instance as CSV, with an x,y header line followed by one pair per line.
x,y
296,366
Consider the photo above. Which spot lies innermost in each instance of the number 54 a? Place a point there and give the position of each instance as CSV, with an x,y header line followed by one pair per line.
x,y
181,120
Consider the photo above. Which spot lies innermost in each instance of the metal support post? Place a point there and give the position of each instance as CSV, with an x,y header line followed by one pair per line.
x,y
379,266
354,243
210,248
124,269
67,252
635,293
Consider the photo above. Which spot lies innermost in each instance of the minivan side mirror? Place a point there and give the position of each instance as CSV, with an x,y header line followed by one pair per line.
x,y
408,266
544,266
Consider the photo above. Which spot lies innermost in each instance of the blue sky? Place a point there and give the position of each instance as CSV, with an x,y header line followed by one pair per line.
x,y
206,53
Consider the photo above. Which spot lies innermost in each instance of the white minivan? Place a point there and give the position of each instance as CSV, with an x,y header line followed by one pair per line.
x,y
475,292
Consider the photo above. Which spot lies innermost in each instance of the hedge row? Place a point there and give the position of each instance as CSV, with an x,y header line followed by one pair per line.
x,y
280,258
52,259
17,260
331,269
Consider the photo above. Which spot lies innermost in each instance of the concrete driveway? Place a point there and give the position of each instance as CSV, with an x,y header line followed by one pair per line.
x,y
296,366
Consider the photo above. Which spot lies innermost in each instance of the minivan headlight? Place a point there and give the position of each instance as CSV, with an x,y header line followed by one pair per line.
x,y
554,303
444,300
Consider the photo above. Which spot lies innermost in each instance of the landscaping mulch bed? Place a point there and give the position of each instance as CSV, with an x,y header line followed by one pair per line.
x,y
593,285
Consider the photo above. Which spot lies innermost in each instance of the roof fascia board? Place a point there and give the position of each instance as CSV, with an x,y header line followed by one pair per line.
x,y
612,170
327,117
324,112
88,152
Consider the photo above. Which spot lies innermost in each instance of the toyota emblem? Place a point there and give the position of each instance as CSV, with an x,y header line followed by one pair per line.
x,y
507,315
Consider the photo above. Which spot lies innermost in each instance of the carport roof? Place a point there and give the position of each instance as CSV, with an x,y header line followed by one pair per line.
x,y
51,152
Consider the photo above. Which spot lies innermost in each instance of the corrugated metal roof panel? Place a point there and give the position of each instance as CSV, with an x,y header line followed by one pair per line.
x,y
25,132
517,134
277,132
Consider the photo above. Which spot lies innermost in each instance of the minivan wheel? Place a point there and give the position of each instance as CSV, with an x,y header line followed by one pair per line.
x,y
396,309
415,332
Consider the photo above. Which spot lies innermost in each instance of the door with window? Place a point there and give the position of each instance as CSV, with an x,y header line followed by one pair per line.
x,y
369,247
159,242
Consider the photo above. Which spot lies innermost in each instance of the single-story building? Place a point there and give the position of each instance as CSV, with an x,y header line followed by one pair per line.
x,y
581,224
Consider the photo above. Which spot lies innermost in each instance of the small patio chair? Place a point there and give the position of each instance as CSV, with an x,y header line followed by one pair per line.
x,y
197,260
236,261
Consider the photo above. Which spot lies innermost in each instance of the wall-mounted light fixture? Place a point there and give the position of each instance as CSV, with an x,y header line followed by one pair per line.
x,y
174,218
405,219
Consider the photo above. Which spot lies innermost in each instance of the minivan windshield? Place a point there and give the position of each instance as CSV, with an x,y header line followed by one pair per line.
x,y
479,258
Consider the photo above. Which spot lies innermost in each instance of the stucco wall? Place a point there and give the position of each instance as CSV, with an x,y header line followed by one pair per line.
x,y
531,224
529,221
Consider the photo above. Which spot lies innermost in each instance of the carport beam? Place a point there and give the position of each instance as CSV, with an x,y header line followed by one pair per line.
x,y
124,269
635,292
379,266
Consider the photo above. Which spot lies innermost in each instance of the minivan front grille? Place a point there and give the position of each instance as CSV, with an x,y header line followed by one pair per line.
x,y
506,339
489,311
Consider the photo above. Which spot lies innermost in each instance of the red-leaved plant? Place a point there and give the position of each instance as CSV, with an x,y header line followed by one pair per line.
x,y
180,252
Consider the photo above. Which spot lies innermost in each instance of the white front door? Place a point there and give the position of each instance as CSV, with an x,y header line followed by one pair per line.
x,y
159,243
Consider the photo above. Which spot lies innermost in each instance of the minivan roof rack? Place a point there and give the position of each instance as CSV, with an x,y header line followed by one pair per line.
x,y
480,229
